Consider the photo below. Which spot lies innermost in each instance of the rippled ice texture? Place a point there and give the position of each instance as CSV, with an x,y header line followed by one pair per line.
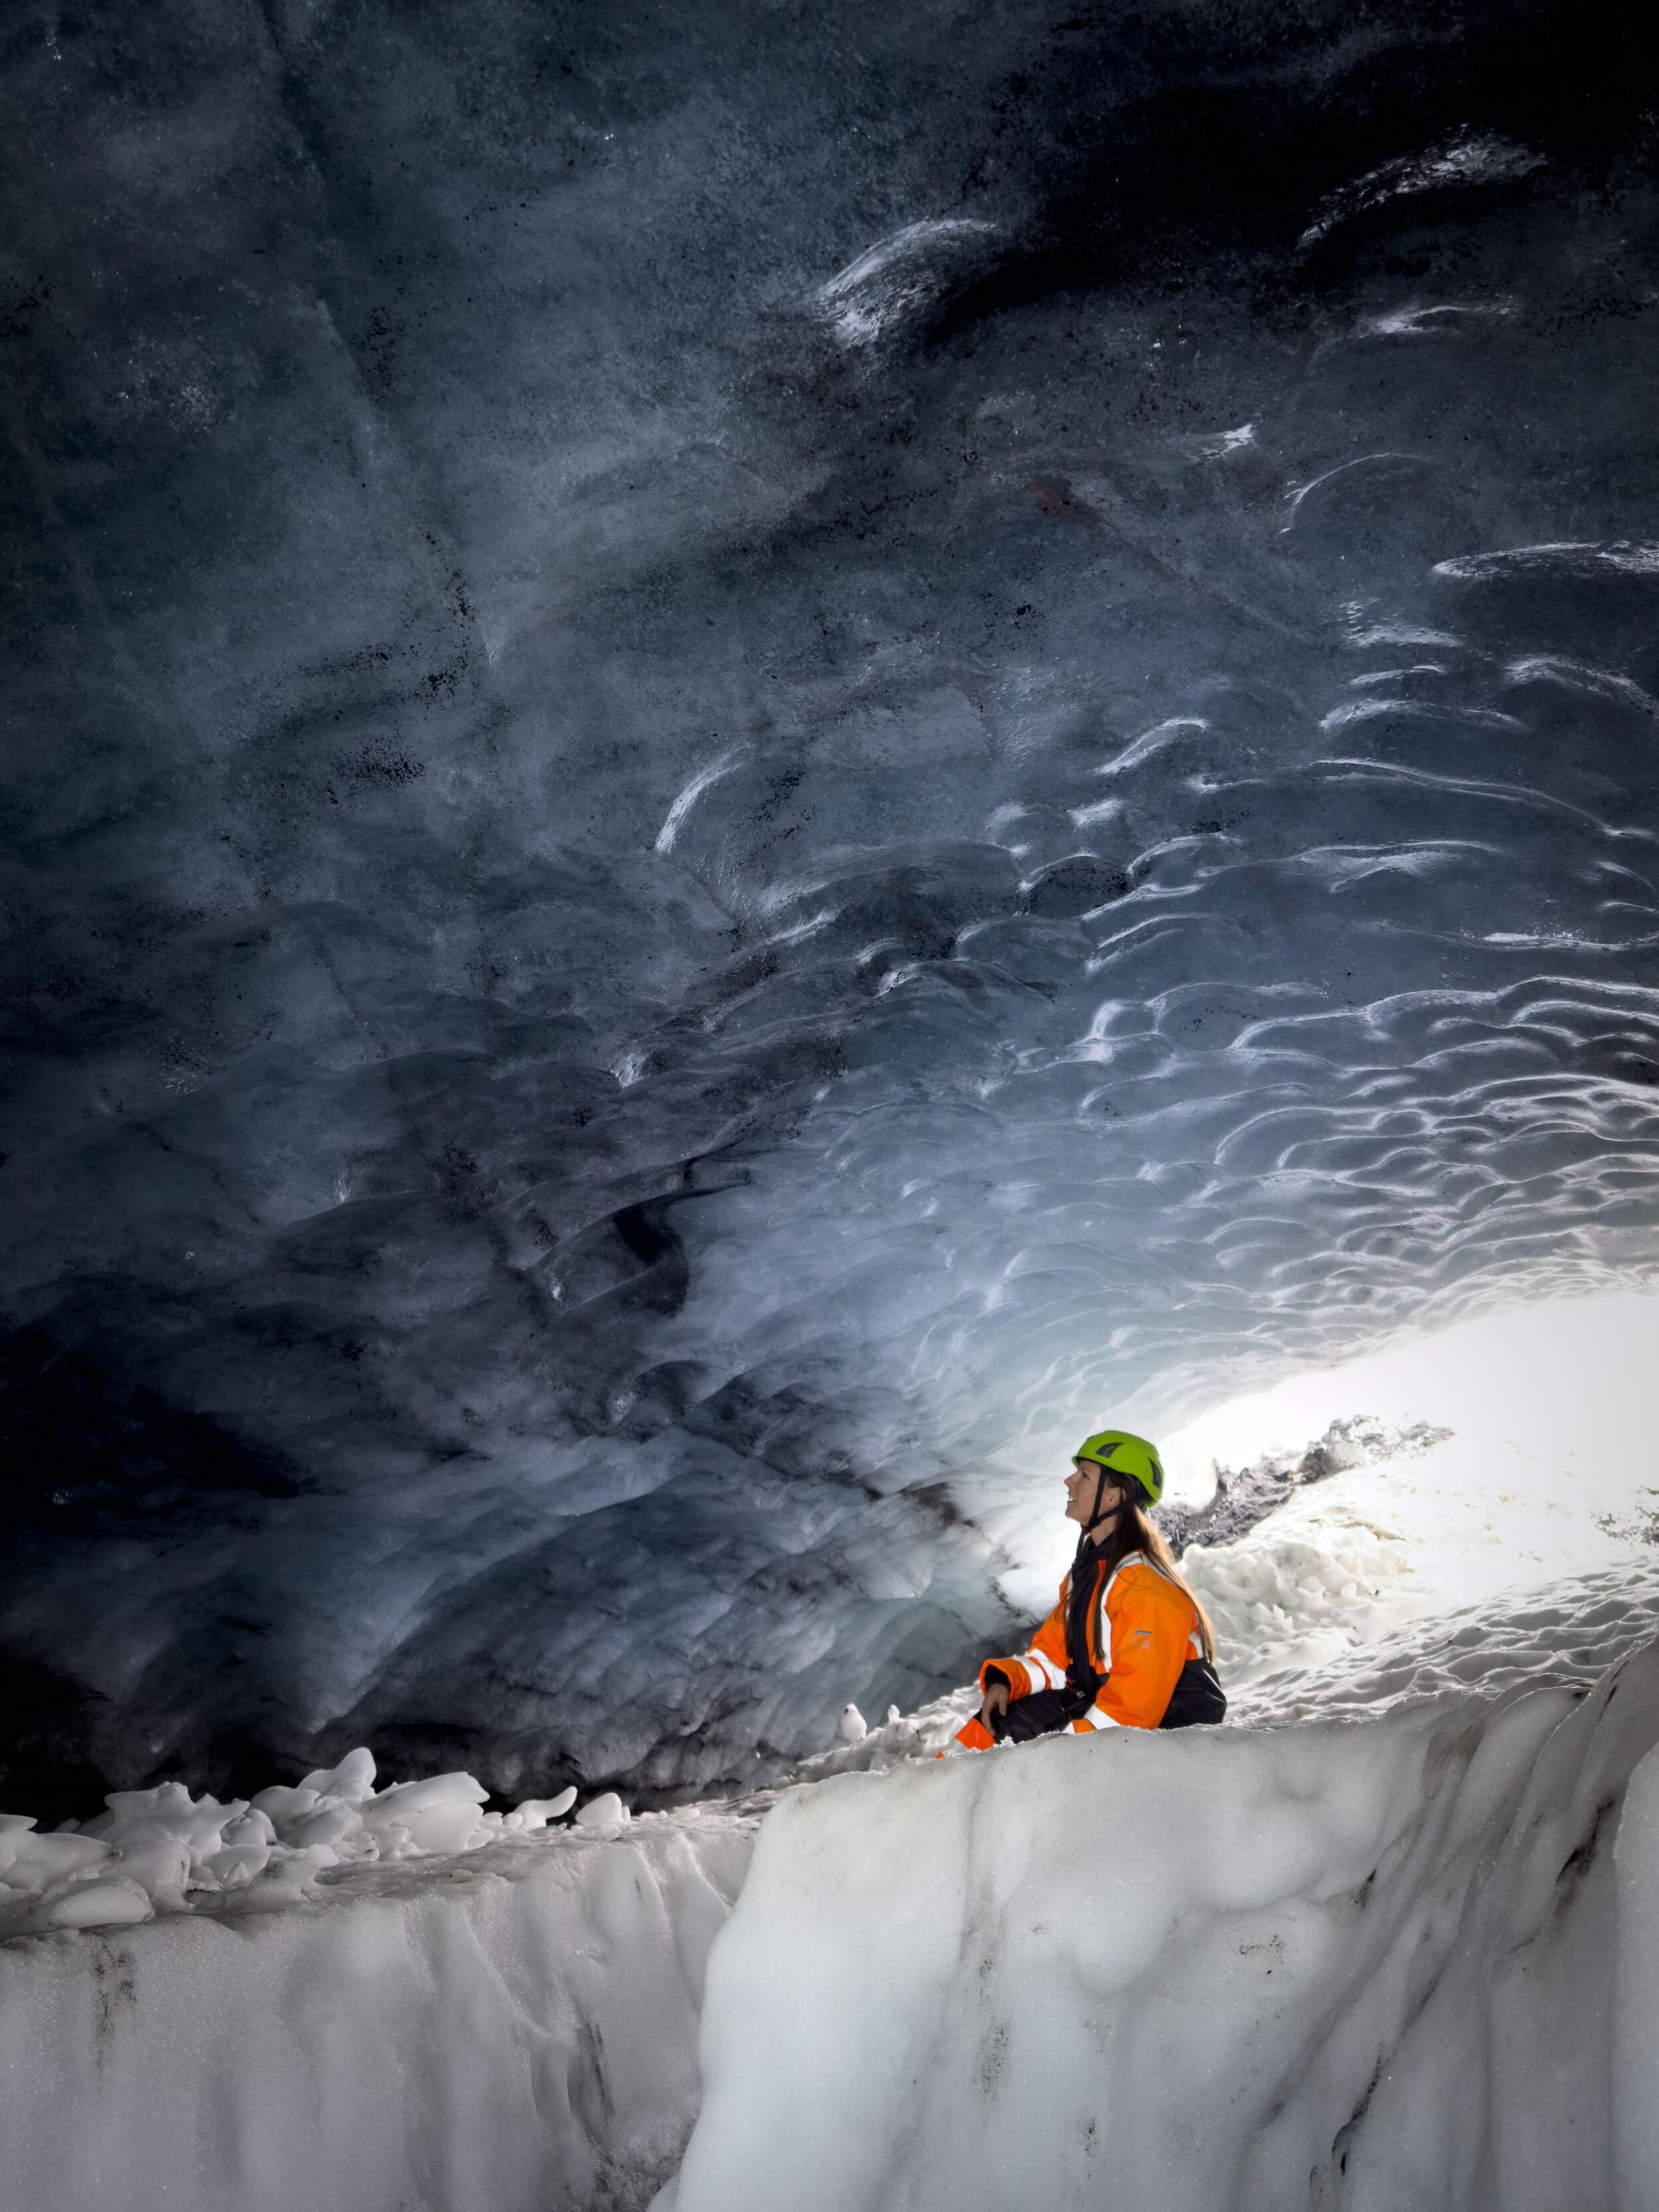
x,y
757,756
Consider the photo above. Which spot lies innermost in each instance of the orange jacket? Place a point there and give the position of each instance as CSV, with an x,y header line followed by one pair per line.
x,y
1142,1630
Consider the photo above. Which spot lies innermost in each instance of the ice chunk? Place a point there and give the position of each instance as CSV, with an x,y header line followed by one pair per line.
x,y
606,1815
536,1812
165,1839
31,1863
282,1884
352,1781
245,1850
112,1902
438,1814
329,1822
284,1806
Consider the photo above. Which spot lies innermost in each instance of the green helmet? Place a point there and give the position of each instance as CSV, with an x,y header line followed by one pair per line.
x,y
1123,1453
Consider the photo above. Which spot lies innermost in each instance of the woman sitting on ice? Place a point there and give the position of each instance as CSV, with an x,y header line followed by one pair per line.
x,y
1129,1645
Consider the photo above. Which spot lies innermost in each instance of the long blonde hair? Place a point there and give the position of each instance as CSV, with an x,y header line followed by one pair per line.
x,y
1137,1532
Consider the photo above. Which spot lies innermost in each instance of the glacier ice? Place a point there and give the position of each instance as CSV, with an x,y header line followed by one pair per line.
x,y
749,754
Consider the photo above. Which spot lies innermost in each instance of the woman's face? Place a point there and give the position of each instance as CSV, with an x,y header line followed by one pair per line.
x,y
1080,1492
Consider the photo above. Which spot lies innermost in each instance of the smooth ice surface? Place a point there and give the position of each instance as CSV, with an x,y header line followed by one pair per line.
x,y
514,2030
751,753
1405,1961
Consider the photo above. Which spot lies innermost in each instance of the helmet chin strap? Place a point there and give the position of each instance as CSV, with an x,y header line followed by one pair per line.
x,y
1097,1516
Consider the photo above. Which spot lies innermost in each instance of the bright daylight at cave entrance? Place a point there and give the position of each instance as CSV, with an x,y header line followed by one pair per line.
x,y
829,1135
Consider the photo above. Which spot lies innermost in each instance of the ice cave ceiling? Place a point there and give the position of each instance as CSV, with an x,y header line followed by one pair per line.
x,y
753,749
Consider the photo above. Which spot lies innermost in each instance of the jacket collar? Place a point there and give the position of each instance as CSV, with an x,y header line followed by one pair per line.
x,y
1129,1559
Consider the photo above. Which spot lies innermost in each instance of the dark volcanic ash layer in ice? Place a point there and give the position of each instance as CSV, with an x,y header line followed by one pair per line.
x,y
1243,1498
750,749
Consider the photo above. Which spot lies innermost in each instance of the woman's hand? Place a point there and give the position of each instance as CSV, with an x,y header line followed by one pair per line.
x,y
994,1710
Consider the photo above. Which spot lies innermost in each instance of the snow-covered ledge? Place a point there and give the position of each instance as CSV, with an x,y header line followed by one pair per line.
x,y
1409,1960
513,2029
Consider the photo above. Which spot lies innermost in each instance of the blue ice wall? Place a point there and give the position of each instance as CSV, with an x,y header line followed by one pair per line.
x,y
750,752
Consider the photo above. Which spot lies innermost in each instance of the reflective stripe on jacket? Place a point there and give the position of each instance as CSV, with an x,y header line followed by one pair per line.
x,y
1142,1629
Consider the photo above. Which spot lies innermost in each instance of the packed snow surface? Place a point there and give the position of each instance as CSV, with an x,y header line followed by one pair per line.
x,y
1409,1962
513,2029
516,2025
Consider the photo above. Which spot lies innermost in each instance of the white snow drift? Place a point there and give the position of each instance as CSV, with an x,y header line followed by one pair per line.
x,y
1210,1947
515,2029
1413,1963
153,1850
